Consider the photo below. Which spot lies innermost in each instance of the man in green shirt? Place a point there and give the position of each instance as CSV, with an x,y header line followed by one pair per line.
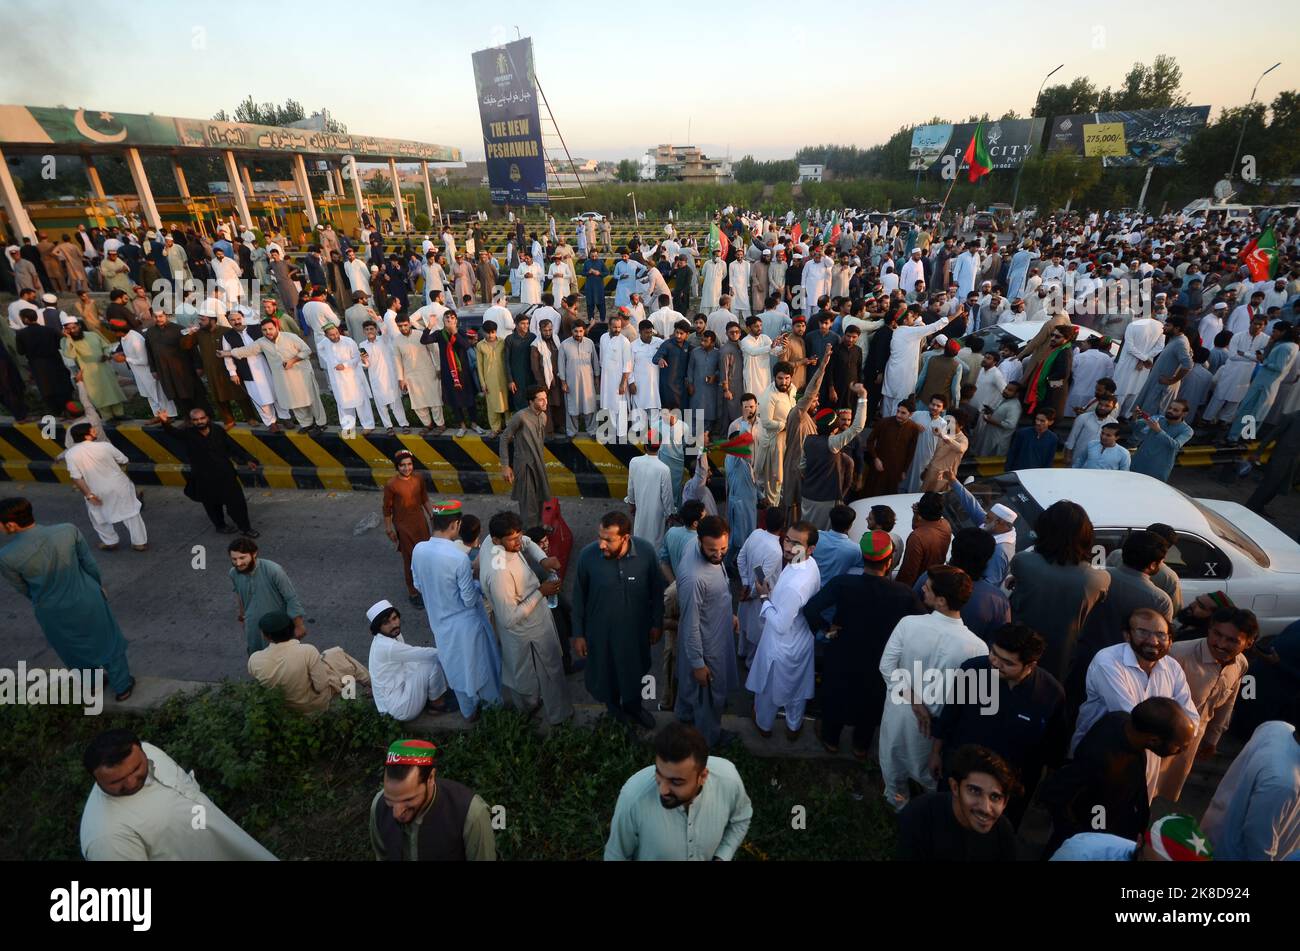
x,y
688,806
261,587
417,817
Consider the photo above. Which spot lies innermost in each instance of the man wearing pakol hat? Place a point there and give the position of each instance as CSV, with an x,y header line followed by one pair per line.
x,y
418,817
863,609
406,680
308,678
467,647
1171,838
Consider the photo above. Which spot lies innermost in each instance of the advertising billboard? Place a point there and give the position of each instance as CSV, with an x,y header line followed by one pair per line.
x,y
512,134
1010,142
1129,139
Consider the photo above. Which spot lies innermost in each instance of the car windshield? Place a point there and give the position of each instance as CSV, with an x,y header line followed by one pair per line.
x,y
1230,533
1004,488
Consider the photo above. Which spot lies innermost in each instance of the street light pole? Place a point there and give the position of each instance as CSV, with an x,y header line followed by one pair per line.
x,y
1015,194
1246,115
635,217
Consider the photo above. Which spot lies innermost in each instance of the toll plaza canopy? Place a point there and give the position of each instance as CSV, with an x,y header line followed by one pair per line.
x,y
26,130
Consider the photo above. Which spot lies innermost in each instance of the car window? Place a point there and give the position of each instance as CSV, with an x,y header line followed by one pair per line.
x,y
1230,533
1004,488
1193,557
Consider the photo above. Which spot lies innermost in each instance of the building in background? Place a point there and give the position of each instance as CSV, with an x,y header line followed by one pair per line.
x,y
683,163
811,173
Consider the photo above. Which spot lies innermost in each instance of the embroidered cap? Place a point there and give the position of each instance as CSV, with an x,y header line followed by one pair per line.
x,y
412,753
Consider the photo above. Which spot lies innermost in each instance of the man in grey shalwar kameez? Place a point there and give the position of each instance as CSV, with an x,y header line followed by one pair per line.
x,y
532,664
1166,376
527,474
703,368
706,645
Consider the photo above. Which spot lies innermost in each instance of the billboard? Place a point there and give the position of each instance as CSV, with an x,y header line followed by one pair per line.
x,y
1010,142
87,129
512,134
1129,139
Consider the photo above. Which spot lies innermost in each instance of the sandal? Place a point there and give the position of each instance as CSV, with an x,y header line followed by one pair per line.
x,y
126,694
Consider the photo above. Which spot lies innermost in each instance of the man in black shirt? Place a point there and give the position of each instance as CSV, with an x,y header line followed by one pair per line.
x,y
212,479
965,823
867,608
1104,788
1026,728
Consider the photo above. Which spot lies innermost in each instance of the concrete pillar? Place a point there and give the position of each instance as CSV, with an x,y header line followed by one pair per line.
x,y
338,182
304,189
356,189
397,196
428,192
148,207
182,186
236,188
92,176
13,206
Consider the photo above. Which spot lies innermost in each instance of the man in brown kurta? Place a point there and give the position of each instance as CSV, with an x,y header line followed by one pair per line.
x,y
53,269
527,473
170,352
225,391
890,445
929,541
798,427
406,515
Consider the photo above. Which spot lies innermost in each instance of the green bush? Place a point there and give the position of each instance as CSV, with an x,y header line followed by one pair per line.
x,y
302,786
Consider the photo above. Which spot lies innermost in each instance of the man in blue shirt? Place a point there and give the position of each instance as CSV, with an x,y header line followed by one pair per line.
x,y
1034,447
836,554
1106,453
1162,438
593,269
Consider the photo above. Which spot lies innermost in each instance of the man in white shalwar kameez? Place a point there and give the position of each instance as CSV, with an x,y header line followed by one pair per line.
x,y
287,357
929,644
532,664
142,808
342,360
137,358
650,493
261,391
782,673
467,645
816,280
358,273
757,349
530,280
1232,380
774,406
404,678
1088,367
645,375
964,268
738,274
381,373
417,373
762,549
615,374
904,362
714,270
579,370
1144,338
95,468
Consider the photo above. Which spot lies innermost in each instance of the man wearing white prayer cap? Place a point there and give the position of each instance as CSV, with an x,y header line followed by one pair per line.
x,y
406,680
999,521
25,273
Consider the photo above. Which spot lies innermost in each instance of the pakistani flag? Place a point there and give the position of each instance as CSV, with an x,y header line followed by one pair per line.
x,y
1260,256
832,229
718,241
977,154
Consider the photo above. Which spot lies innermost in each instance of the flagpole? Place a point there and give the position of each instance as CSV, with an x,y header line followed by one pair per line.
x,y
944,206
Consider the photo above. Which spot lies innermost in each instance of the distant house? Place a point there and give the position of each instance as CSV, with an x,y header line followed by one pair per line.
x,y
683,163
810,173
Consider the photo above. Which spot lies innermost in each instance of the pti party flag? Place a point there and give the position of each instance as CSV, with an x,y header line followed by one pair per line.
x,y
739,445
796,232
1260,256
832,229
977,154
718,241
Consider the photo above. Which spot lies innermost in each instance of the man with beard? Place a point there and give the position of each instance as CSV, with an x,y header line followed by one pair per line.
x,y
704,811
731,374
459,386
226,393
170,352
419,817
406,679
518,361
965,823
891,444
544,363
288,358
41,346
91,353
143,805
617,614
212,480
706,649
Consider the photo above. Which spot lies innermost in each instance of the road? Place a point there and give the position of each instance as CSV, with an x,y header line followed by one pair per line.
x,y
175,605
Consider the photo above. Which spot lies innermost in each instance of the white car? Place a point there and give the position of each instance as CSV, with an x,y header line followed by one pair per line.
x,y
593,215
1221,545
1021,332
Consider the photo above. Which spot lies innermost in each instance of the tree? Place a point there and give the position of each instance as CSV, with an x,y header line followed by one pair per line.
x,y
1053,178
628,171
1078,97
1146,87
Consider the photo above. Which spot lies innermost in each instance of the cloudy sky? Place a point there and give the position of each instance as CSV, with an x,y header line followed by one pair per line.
x,y
761,78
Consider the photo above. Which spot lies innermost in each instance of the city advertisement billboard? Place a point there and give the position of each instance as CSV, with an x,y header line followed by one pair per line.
x,y
512,134
1010,142
1129,139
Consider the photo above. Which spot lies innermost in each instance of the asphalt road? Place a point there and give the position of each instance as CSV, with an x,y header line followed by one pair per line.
x,y
175,605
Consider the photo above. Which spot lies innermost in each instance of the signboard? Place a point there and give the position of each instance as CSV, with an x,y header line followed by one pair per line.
x,y
1150,136
1010,142
86,130
1104,140
512,134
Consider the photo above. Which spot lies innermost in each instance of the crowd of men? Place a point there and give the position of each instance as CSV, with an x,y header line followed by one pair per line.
x,y
1085,686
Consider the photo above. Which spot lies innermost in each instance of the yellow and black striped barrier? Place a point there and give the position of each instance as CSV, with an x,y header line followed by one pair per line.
x,y
581,467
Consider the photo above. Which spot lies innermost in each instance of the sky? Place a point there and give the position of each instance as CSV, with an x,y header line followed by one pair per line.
x,y
763,78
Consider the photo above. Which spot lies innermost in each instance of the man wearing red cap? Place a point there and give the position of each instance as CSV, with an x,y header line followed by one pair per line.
x,y
417,817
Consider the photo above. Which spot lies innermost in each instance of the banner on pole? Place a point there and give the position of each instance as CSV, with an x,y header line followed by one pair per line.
x,y
1129,139
512,134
